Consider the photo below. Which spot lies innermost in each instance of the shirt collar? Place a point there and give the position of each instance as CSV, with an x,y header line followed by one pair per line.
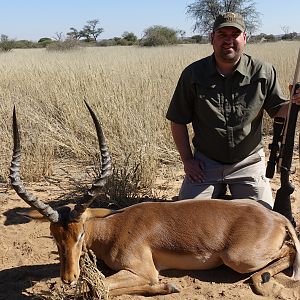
x,y
241,68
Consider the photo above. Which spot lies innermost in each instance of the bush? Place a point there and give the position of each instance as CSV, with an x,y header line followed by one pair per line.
x,y
130,38
289,36
116,41
6,44
262,38
66,45
106,43
25,44
159,36
45,41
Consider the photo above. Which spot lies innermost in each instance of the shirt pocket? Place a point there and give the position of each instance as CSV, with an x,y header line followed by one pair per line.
x,y
208,106
251,93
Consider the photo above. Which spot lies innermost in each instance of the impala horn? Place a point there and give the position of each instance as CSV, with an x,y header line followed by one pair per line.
x,y
45,209
105,171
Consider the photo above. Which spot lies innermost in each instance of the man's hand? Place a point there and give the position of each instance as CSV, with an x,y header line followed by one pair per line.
x,y
194,170
296,97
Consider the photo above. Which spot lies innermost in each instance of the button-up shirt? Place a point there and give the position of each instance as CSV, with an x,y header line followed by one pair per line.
x,y
226,112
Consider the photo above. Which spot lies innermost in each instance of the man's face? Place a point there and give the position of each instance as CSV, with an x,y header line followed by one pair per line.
x,y
228,44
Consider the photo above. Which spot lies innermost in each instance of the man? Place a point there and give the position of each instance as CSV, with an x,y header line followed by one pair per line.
x,y
224,96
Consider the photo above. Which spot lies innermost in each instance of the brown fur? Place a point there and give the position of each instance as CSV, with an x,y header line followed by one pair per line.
x,y
146,238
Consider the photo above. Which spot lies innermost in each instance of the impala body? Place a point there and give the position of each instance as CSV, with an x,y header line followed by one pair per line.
x,y
141,240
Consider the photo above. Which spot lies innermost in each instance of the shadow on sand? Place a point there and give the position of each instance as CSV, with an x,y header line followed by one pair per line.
x,y
13,281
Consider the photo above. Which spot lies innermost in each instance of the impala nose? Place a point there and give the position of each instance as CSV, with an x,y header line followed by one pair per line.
x,y
70,280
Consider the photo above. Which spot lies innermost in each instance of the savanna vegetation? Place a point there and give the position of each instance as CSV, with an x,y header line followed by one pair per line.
x,y
129,89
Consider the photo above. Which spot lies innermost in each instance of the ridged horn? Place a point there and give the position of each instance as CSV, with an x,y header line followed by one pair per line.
x,y
45,209
105,171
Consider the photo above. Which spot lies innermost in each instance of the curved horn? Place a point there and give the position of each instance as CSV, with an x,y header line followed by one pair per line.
x,y
106,170
46,210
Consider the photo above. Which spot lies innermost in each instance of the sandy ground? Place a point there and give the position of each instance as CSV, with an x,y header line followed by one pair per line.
x,y
28,255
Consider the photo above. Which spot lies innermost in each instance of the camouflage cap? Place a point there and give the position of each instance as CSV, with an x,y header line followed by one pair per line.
x,y
229,19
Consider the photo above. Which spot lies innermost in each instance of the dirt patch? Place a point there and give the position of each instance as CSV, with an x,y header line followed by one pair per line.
x,y
28,255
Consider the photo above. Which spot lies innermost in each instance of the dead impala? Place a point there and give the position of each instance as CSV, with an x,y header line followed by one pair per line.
x,y
141,240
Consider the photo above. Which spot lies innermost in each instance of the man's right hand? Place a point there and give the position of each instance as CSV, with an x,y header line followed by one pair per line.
x,y
194,170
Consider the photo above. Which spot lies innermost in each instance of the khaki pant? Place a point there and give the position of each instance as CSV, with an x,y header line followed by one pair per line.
x,y
244,179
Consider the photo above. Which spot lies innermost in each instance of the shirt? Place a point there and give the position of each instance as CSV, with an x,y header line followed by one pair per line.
x,y
226,112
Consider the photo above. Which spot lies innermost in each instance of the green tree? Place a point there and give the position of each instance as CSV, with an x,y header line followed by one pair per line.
x,y
197,38
45,41
159,36
6,44
289,36
90,32
74,34
130,37
23,44
205,12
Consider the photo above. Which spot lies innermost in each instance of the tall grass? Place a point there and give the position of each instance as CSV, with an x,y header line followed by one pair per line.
x,y
128,87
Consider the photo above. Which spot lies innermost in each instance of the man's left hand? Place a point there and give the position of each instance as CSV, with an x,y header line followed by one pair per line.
x,y
296,97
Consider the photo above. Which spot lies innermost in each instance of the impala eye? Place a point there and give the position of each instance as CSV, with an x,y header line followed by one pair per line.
x,y
80,237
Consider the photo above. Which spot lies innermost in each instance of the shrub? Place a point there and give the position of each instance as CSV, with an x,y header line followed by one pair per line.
x,y
289,36
25,44
6,44
106,43
130,38
159,36
45,41
63,45
197,38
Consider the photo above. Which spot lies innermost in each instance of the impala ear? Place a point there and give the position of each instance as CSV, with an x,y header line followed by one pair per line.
x,y
99,213
33,214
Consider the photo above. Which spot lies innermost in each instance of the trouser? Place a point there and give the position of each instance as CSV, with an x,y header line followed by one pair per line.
x,y
245,179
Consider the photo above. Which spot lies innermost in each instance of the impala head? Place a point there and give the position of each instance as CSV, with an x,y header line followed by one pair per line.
x,y
67,224
69,237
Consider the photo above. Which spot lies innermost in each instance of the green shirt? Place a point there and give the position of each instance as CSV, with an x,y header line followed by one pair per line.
x,y
226,112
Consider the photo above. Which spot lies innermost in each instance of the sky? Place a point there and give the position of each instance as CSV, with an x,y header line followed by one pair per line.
x,y
34,19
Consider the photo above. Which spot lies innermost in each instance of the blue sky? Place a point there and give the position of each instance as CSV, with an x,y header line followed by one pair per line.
x,y
33,19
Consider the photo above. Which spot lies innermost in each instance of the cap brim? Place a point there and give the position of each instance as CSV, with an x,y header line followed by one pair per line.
x,y
239,27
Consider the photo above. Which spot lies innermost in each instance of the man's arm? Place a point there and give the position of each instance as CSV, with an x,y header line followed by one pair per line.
x,y
283,111
192,167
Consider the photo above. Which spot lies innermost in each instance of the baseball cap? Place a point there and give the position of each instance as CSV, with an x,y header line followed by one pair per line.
x,y
229,19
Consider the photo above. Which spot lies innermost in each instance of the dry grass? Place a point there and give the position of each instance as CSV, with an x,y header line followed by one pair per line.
x,y
128,87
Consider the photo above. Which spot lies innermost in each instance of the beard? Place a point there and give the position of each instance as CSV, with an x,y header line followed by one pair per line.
x,y
229,54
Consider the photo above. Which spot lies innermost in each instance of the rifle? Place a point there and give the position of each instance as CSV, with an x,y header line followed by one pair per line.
x,y
283,142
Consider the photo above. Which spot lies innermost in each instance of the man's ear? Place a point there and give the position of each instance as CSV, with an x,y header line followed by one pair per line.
x,y
33,214
211,37
245,37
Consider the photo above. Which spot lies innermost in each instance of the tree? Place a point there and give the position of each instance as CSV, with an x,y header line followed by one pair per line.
x,y
45,41
74,34
285,29
197,38
205,12
59,37
182,33
159,36
263,38
6,44
130,37
89,32
290,36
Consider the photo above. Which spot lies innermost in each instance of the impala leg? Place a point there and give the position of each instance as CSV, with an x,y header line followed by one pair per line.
x,y
126,282
264,275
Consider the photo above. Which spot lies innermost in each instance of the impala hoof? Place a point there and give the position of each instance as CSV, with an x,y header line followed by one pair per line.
x,y
266,277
